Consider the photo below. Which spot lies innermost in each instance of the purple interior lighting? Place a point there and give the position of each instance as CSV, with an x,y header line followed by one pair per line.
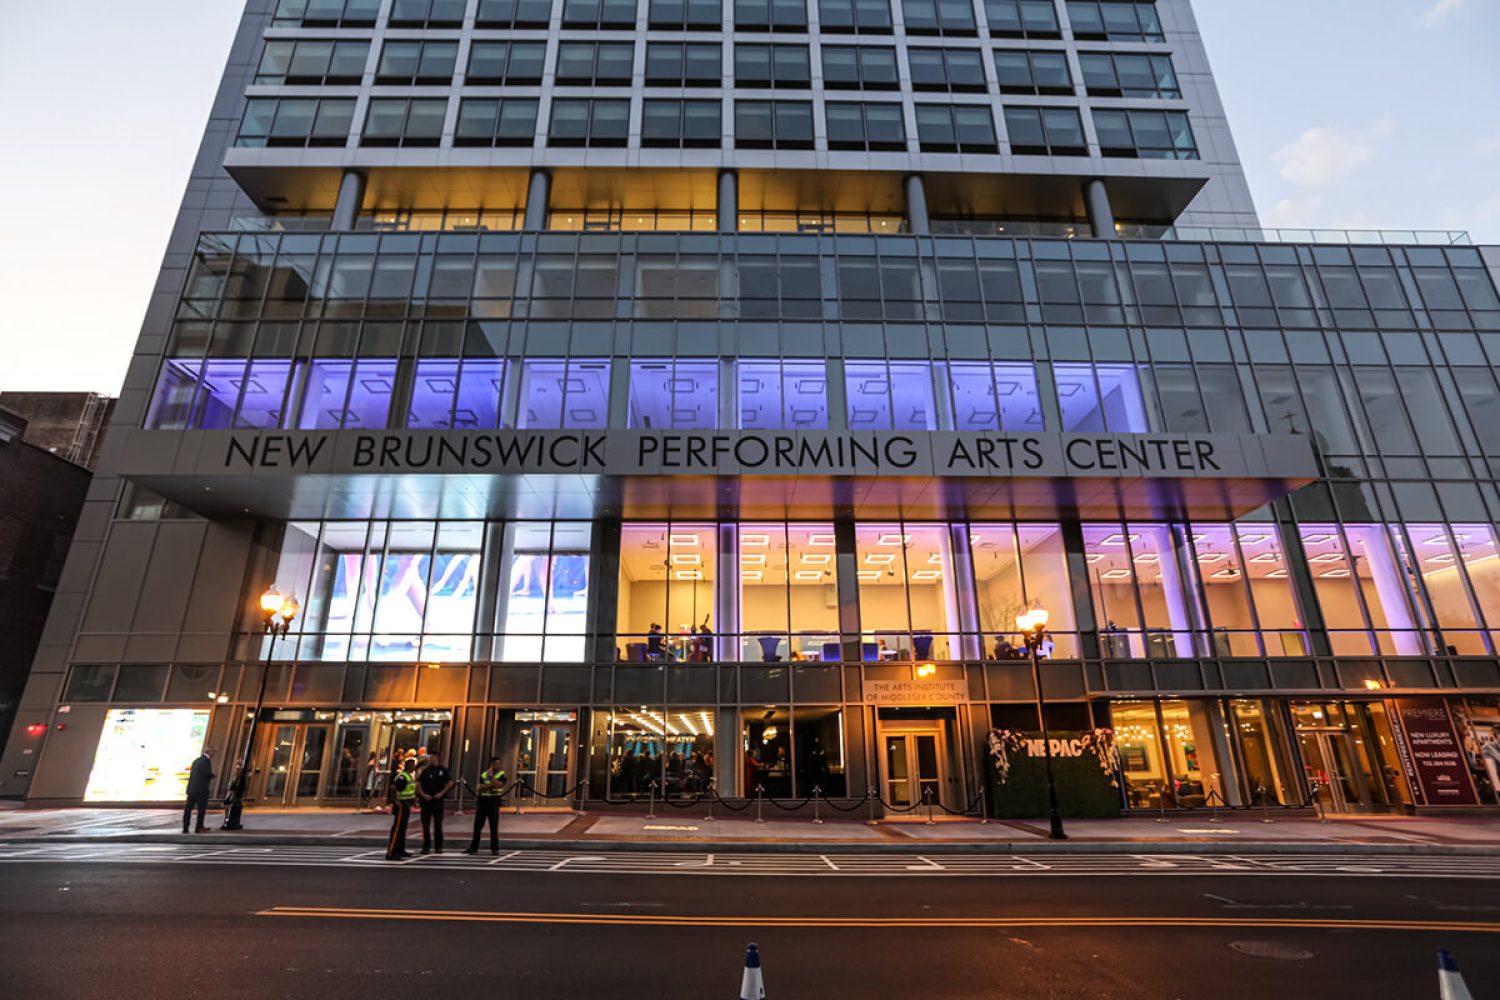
x,y
897,396
775,395
681,395
218,392
1112,403
558,394
990,397
264,398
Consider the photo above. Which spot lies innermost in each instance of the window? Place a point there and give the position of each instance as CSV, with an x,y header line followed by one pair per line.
x,y
770,15
595,63
908,601
1373,581
787,593
599,13
302,121
994,397
347,394
451,394
508,122
890,396
871,17
865,126
559,395
1021,72
1128,75
427,63
313,62
513,13
506,62
946,69
1149,135
781,395
401,122
542,611
327,13
1115,21
1097,398
428,13
686,64
1045,132
964,128
701,15
773,124
1022,18
938,17
867,67
680,395
772,66
680,124
578,122
669,575
1016,566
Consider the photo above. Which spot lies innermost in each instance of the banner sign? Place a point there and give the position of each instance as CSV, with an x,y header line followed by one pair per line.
x,y
1431,755
769,453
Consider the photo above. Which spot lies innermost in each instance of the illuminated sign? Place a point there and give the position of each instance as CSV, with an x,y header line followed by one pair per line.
x,y
144,754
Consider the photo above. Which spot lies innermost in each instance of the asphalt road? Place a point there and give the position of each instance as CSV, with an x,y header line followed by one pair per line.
x,y
103,929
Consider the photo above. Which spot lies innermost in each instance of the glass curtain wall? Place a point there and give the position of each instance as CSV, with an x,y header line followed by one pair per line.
x,y
1016,566
668,596
788,603
542,605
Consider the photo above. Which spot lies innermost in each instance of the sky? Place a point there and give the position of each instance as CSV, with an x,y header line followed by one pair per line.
x,y
1347,114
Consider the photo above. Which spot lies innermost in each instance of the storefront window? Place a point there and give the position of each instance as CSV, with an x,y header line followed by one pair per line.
x,y
908,603
788,754
1139,740
773,395
1269,777
788,593
680,395
638,752
543,605
1197,753
1478,722
668,592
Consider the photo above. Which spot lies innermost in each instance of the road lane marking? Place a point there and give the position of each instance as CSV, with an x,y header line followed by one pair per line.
x,y
905,923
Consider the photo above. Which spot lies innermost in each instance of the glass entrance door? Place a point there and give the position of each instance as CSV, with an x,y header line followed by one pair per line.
x,y
913,767
543,763
292,764
1329,759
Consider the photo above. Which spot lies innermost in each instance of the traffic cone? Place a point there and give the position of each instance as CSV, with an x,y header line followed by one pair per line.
x,y
1450,983
752,987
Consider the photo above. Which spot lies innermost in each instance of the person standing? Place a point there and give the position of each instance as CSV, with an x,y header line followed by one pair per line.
x,y
487,806
434,782
200,780
401,792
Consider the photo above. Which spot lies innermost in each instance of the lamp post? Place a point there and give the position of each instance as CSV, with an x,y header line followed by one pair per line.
x,y
1033,625
277,614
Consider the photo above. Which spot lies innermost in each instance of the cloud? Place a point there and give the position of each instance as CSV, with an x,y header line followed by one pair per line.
x,y
1322,156
1441,11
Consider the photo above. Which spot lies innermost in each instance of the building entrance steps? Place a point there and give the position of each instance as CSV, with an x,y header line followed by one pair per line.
x,y
567,831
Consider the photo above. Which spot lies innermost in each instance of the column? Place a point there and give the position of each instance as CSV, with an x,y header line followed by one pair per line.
x,y
729,201
1101,217
351,200
916,205
538,195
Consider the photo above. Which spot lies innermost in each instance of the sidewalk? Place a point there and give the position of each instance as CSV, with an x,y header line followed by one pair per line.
x,y
687,829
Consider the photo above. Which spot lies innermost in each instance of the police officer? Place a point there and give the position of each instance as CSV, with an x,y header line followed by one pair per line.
x,y
491,789
434,782
401,794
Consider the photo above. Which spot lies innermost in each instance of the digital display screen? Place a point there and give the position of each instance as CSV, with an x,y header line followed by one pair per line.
x,y
144,754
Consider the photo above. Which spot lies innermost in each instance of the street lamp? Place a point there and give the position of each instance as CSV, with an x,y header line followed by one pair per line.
x,y
1033,625
277,614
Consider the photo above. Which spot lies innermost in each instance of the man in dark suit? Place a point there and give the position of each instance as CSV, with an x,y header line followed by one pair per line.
x,y
200,781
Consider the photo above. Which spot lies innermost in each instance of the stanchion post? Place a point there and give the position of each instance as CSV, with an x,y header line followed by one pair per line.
x,y
927,796
712,791
760,793
872,798
1161,801
1265,805
817,794
1213,794
583,797
651,805
984,805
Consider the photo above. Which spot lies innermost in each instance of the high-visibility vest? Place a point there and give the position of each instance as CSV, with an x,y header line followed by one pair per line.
x,y
406,786
485,777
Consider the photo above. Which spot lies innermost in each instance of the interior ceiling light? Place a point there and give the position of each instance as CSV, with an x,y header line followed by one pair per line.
x,y
880,558
895,540
686,559
753,559
821,540
755,541
1248,539
686,541
807,574
927,574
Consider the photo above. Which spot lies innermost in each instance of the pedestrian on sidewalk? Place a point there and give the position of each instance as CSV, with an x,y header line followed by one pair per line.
x,y
401,793
434,782
487,806
200,780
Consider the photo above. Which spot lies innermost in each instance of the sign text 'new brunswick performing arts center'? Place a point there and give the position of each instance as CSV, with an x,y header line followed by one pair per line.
x,y
776,453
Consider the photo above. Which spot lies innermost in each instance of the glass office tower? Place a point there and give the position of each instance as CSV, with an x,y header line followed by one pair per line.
x,y
672,394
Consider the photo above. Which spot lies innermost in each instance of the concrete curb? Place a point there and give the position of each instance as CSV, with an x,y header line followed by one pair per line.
x,y
602,846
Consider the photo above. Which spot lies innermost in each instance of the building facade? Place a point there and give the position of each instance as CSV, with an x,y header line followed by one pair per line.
x,y
661,393
69,425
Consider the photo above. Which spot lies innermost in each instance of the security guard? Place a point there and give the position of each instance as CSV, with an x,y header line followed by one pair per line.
x,y
491,790
402,793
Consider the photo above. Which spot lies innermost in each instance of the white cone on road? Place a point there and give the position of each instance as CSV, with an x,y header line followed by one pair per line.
x,y
752,987
1450,983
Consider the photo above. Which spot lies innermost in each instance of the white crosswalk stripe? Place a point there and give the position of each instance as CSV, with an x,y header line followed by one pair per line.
x,y
831,865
